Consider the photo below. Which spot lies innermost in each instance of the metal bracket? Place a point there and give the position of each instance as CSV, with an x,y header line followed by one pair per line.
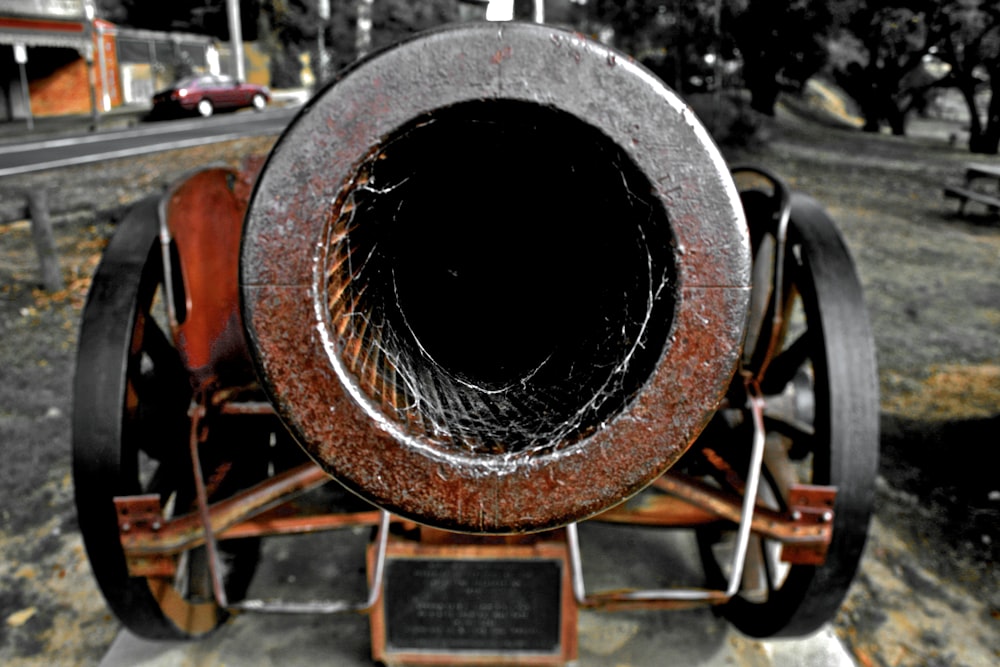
x,y
142,517
812,508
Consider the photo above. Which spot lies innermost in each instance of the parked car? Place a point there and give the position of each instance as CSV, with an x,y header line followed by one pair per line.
x,y
206,94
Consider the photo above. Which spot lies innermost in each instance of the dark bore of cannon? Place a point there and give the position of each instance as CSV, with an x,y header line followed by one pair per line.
x,y
501,276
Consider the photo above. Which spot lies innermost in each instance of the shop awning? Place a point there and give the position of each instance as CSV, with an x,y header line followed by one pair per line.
x,y
44,32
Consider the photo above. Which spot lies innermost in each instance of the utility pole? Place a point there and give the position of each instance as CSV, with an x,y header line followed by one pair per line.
x,y
21,58
363,34
236,38
90,12
322,56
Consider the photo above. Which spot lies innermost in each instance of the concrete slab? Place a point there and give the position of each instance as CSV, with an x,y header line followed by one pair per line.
x,y
331,566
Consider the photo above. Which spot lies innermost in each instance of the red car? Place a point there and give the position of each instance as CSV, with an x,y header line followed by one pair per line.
x,y
206,94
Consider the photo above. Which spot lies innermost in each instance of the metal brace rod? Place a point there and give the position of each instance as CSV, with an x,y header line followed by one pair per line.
x,y
331,606
197,413
233,517
650,597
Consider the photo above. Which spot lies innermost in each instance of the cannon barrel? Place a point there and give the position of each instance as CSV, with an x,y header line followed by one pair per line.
x,y
495,278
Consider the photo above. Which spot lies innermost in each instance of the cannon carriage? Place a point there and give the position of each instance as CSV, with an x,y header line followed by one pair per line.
x,y
493,281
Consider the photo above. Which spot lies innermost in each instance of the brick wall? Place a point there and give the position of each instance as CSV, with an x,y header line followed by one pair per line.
x,y
64,91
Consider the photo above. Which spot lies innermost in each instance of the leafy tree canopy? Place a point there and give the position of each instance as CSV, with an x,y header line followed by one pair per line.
x,y
207,17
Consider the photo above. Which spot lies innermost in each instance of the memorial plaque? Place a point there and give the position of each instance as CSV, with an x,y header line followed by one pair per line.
x,y
454,603
493,606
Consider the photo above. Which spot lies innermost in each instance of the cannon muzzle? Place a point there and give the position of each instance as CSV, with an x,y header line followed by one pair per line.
x,y
495,278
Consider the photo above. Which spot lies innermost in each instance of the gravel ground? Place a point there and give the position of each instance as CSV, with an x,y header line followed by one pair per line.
x,y
929,589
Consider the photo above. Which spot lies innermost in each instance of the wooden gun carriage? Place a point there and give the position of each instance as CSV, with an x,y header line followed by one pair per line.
x,y
495,281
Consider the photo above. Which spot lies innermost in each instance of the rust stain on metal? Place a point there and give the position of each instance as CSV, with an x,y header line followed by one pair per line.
x,y
204,218
501,55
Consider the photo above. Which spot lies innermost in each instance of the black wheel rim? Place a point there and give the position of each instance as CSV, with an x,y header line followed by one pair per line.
x,y
130,436
821,424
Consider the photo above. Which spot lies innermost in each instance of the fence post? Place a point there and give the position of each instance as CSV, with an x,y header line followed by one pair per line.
x,y
45,244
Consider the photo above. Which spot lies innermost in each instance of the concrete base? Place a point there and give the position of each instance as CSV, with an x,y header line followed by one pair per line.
x,y
331,566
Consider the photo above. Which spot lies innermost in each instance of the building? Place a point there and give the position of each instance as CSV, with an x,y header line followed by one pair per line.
x,y
49,58
58,58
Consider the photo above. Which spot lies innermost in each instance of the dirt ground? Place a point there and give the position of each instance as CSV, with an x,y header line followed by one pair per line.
x,y
928,593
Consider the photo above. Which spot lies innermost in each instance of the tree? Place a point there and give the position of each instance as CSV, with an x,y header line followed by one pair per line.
x,y
113,10
294,26
672,37
207,17
782,45
892,38
394,20
287,30
895,37
971,48
632,25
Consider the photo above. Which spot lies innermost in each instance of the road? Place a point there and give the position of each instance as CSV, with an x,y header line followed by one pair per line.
x,y
26,157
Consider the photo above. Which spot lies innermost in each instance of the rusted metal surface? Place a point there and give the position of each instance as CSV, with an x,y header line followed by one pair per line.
x,y
143,515
202,218
692,502
345,361
812,508
628,600
281,521
146,534
647,509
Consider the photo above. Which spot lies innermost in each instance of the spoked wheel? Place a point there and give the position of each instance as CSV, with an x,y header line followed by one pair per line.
x,y
816,370
130,436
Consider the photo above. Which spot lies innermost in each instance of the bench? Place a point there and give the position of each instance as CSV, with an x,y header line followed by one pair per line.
x,y
967,193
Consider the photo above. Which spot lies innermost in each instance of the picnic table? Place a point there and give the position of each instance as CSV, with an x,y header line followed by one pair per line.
x,y
973,188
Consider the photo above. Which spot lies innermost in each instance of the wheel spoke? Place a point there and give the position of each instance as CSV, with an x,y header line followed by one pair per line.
x,y
782,369
770,576
779,485
754,568
162,353
798,432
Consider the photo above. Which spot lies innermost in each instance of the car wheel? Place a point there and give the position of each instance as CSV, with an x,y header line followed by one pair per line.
x,y
259,102
205,108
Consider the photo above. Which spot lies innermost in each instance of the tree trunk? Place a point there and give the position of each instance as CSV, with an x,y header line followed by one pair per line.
x,y
764,92
989,139
869,89
871,110
990,144
895,116
967,87
886,92
865,93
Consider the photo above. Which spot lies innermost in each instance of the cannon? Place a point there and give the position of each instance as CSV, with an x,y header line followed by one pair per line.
x,y
490,283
